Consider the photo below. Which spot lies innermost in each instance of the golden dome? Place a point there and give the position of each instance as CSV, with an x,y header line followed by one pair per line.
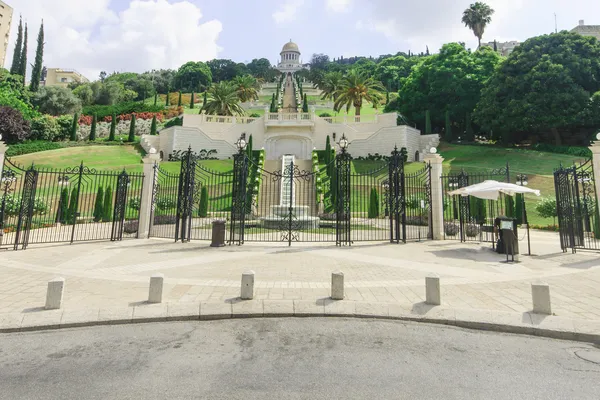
x,y
290,46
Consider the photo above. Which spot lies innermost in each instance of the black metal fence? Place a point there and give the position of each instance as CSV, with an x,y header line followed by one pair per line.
x,y
469,218
41,205
577,207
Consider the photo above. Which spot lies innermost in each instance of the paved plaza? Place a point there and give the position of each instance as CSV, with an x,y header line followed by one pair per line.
x,y
106,275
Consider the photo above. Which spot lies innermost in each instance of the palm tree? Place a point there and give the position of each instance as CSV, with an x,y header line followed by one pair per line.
x,y
223,99
330,84
355,88
247,88
477,17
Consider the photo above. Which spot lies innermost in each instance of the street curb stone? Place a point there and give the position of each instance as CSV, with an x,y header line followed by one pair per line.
x,y
517,323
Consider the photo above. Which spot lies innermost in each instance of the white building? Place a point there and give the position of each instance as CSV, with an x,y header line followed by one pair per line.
x,y
587,30
504,48
290,58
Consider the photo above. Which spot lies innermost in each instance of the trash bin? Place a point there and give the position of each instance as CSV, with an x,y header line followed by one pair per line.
x,y
218,233
508,242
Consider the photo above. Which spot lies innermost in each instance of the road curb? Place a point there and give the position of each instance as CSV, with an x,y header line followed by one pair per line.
x,y
553,327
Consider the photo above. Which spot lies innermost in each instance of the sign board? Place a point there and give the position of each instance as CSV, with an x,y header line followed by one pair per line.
x,y
422,203
506,225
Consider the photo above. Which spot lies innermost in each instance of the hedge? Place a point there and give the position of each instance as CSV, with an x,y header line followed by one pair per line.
x,y
118,109
19,149
570,150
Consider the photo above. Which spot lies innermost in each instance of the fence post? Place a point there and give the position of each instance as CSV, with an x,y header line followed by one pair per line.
x,y
595,148
437,204
3,148
147,193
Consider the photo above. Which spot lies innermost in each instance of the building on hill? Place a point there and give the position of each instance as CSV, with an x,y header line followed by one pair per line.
x,y
587,30
61,77
6,13
290,60
504,48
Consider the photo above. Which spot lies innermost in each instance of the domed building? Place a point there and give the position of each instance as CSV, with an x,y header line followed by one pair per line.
x,y
290,58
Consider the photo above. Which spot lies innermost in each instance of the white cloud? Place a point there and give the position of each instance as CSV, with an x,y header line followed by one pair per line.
x,y
89,37
338,5
287,11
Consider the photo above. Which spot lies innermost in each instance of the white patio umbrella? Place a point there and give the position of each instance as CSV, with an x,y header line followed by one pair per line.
x,y
490,190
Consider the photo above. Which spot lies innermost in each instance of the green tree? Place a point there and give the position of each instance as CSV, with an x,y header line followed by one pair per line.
x,y
63,207
327,150
153,126
16,61
450,80
225,70
131,137
357,87
249,147
155,98
193,76
469,128
477,17
167,99
203,207
519,203
74,127
204,100
73,204
330,85
56,100
247,88
179,101
509,206
373,204
13,127
99,205
23,60
448,134
85,94
305,104
223,99
36,74
93,129
545,88
273,104
192,101
547,209
113,128
107,208
428,130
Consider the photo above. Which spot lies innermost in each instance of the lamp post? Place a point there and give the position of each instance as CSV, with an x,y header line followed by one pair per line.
x,y
386,196
522,180
343,193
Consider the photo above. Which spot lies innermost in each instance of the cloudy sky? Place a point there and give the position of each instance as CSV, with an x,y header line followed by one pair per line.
x,y
138,35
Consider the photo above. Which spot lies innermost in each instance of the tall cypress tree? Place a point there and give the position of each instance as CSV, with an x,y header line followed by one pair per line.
x,y
99,205
23,60
327,151
192,101
72,213
273,104
93,130
63,207
167,99
16,62
305,104
469,128
204,99
427,122
108,205
179,101
113,128
36,74
448,135
153,126
74,126
155,98
131,137
203,207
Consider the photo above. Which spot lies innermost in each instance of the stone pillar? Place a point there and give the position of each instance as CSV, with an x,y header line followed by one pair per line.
x,y
540,295
3,148
54,295
147,192
155,290
247,289
595,148
433,294
337,285
437,203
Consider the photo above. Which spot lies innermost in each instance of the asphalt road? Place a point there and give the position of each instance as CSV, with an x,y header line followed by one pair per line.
x,y
293,359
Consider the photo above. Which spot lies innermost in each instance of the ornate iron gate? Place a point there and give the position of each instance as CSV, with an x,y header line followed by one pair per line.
x,y
467,218
41,205
577,207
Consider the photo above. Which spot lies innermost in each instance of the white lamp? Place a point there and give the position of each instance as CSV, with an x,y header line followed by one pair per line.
x,y
433,150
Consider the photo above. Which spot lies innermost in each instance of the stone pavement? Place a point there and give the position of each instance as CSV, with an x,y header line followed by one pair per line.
x,y
103,277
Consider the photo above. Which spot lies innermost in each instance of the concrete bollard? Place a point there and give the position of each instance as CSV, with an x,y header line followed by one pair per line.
x,y
433,294
540,294
337,285
54,295
247,292
156,288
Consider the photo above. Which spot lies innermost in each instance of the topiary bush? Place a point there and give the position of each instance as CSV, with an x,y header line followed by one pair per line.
x,y
472,230
135,203
547,209
130,227
164,219
450,229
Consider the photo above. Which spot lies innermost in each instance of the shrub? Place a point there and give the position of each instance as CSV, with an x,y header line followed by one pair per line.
x,y
130,227
108,205
13,205
450,229
56,100
570,150
13,127
32,147
121,108
325,115
174,122
64,127
73,203
373,204
203,208
166,203
98,205
547,208
472,230
44,127
135,203
417,220
254,115
63,207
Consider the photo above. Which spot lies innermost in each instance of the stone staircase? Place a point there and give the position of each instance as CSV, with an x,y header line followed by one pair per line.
x,y
270,189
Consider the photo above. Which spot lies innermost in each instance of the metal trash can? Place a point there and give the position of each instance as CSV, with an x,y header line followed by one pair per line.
x,y
218,233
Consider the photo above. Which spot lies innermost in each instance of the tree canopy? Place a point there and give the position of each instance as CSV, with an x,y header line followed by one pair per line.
x,y
193,77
